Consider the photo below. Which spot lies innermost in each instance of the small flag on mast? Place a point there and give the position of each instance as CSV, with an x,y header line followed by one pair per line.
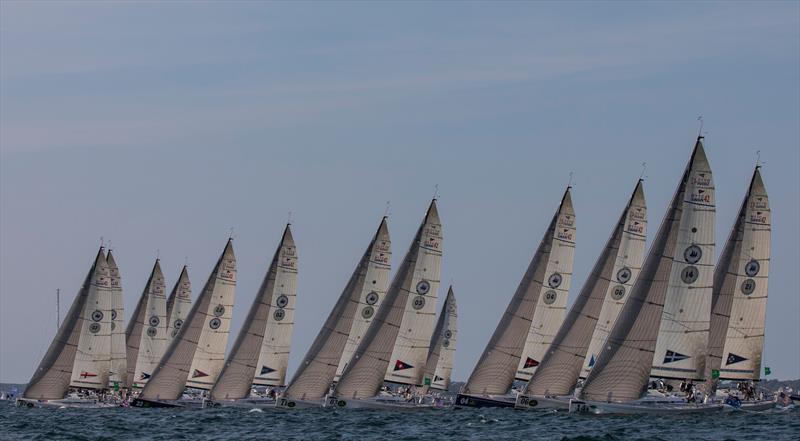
x,y
714,373
767,370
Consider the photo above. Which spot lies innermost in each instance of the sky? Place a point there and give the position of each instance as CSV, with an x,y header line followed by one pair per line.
x,y
161,126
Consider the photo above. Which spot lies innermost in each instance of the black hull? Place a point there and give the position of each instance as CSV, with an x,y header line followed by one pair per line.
x,y
476,402
140,402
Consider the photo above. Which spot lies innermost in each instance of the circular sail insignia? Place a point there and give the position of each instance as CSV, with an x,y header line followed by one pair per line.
x,y
555,280
94,328
550,297
446,343
282,301
448,334
113,314
372,298
219,310
624,275
154,320
97,315
151,332
279,315
748,286
618,292
215,323
367,312
752,268
692,254
689,275
418,302
178,324
423,287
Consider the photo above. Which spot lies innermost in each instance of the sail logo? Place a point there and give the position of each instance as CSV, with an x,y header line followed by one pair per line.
x,y
289,262
144,376
673,356
759,204
567,221
636,227
701,180
637,214
566,234
266,370
198,373
432,242
85,375
399,366
758,217
529,363
381,258
383,246
433,230
733,358
591,361
701,196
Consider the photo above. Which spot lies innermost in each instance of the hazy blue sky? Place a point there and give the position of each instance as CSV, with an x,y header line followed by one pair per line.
x,y
161,126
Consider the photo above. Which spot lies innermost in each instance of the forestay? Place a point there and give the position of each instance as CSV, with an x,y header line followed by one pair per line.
x,y
367,284
147,332
439,366
275,297
611,278
170,377
119,365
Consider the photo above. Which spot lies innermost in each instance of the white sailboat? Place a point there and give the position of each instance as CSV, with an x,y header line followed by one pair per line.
x,y
671,295
361,295
526,328
739,302
439,365
146,335
206,325
261,351
178,304
393,348
119,366
598,304
53,377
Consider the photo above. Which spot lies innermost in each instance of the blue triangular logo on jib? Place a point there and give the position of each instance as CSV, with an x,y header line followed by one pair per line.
x,y
733,358
673,356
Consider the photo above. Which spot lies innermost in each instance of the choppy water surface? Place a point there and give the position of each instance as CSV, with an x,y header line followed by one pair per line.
x,y
454,424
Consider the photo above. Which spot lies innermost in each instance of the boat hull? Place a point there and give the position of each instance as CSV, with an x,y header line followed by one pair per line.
x,y
143,403
640,407
753,406
288,403
66,402
543,403
466,400
261,403
378,402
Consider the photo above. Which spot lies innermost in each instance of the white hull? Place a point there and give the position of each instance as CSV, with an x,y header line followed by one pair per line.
x,y
643,406
259,402
378,402
83,403
754,406
285,403
538,402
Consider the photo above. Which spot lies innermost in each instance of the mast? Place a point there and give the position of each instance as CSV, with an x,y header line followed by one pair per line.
x,y
496,369
52,377
178,304
364,375
93,356
367,285
119,365
611,278
442,348
274,303
201,327
736,341
146,335
622,369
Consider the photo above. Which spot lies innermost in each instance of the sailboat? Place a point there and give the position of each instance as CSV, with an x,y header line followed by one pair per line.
x,y
178,304
739,301
662,330
535,311
146,335
80,354
439,365
593,312
199,348
261,351
119,365
395,347
363,292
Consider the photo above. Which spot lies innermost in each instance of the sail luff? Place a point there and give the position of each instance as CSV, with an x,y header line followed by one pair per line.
x,y
235,379
622,370
50,380
364,375
119,365
495,371
318,369
611,276
169,379
443,343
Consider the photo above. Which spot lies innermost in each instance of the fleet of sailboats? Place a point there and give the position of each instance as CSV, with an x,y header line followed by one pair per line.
x,y
671,331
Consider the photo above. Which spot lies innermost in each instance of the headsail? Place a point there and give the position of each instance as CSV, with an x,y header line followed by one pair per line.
x,y
170,377
178,304
363,376
51,379
93,356
736,340
146,335
368,284
119,365
611,278
443,345
622,369
496,369
273,304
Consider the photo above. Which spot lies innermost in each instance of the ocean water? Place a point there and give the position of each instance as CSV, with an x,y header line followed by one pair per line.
x,y
321,424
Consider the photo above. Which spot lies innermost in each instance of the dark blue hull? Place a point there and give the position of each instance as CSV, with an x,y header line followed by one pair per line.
x,y
140,402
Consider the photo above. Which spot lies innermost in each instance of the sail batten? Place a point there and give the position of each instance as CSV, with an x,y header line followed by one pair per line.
x,y
366,287
275,297
611,278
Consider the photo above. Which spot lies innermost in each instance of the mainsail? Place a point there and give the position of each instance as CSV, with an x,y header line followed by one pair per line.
x,y
443,345
370,298
364,375
367,283
178,304
496,369
147,332
93,356
119,365
622,369
51,379
180,360
611,278
264,326
736,340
